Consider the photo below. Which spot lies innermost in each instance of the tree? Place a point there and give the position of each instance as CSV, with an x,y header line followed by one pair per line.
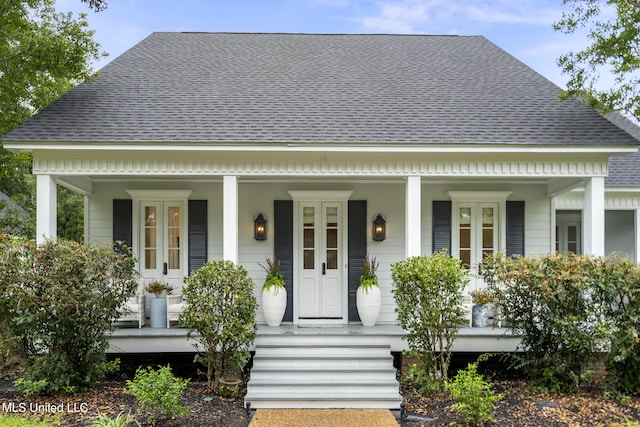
x,y
614,51
43,54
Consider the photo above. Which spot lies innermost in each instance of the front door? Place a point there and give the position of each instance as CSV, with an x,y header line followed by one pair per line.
x,y
321,289
162,242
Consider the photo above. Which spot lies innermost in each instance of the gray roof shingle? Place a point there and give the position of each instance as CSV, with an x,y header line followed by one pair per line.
x,y
624,171
307,88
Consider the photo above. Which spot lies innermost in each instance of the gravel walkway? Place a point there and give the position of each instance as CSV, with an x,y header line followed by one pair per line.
x,y
323,418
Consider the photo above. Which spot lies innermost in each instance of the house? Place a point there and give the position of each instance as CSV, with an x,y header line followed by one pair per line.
x,y
187,138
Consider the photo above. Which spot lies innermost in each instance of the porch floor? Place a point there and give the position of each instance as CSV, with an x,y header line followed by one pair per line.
x,y
174,339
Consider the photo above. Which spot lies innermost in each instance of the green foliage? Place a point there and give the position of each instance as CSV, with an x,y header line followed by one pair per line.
x,y
482,296
70,215
43,54
104,420
420,380
57,302
31,387
221,314
368,277
613,50
158,288
275,277
571,310
16,421
158,392
475,400
428,292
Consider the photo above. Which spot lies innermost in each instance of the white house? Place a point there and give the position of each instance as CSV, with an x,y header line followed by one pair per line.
x,y
187,137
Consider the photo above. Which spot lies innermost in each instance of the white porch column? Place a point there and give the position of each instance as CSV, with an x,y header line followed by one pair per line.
x,y
230,218
413,220
46,215
594,217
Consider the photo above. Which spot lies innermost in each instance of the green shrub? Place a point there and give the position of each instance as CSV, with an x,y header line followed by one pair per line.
x,y
475,400
221,314
428,292
158,392
571,311
104,420
57,302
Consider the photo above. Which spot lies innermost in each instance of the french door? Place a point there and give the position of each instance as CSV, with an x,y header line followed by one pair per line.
x,y
162,240
476,232
321,289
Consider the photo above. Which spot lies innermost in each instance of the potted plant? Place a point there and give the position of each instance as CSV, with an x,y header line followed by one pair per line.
x,y
368,298
158,288
274,295
158,305
480,311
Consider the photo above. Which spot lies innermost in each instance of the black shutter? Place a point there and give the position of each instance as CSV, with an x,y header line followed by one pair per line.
x,y
515,228
357,250
441,226
197,234
283,247
123,222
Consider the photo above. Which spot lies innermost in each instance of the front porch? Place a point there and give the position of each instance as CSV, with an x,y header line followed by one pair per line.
x,y
174,340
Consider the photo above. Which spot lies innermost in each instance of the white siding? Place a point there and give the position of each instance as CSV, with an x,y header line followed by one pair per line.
x,y
385,198
619,226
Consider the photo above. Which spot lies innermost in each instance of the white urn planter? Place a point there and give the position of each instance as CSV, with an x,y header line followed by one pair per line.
x,y
368,303
274,303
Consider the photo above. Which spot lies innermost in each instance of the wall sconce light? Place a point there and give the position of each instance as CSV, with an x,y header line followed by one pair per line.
x,y
379,228
260,227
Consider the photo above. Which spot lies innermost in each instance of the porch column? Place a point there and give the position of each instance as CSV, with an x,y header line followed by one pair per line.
x,y
413,218
46,215
230,218
594,217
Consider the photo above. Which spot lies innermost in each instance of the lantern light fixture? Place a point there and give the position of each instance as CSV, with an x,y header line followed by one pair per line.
x,y
260,227
379,228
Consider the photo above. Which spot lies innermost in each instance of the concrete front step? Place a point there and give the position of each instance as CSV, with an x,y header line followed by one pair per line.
x,y
298,373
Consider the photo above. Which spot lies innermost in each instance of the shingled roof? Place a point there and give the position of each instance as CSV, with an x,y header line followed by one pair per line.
x,y
304,88
624,171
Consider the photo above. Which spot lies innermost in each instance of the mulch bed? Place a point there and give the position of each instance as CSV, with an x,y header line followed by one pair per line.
x,y
519,407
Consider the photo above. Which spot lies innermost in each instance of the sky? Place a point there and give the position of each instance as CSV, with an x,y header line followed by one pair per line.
x,y
524,28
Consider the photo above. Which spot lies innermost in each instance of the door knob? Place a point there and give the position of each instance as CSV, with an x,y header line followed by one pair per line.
x,y
324,268
164,268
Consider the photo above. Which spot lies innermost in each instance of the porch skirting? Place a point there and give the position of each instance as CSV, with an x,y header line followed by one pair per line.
x,y
174,340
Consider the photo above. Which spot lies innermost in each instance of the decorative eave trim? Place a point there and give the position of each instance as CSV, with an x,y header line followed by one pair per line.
x,y
320,168
575,201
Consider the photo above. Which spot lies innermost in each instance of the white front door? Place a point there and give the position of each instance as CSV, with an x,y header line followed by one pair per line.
x,y
320,288
161,254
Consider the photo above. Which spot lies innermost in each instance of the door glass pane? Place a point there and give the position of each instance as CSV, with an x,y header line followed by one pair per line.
x,y
150,237
173,237
309,232
465,236
331,243
487,231
332,260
